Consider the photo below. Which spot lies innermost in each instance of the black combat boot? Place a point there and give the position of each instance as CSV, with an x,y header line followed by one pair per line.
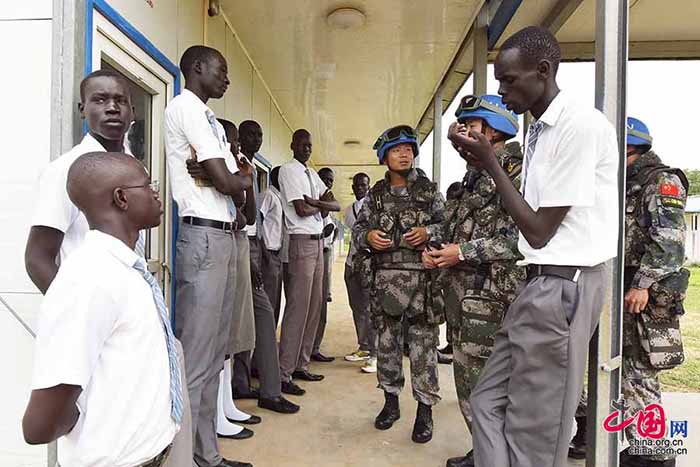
x,y
423,427
465,461
577,448
389,414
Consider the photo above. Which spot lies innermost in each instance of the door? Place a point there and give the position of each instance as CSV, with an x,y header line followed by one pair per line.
x,y
151,88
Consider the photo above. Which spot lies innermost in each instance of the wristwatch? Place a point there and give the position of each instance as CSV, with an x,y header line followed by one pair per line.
x,y
461,255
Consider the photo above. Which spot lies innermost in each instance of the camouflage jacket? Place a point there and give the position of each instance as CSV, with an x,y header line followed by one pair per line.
x,y
654,256
485,232
655,226
395,211
400,285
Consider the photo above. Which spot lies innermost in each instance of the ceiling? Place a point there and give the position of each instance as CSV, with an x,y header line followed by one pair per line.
x,y
351,84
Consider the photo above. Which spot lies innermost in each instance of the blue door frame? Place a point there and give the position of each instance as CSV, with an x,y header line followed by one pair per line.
x,y
147,46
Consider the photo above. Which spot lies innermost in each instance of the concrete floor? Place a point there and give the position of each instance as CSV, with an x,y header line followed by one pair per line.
x,y
334,427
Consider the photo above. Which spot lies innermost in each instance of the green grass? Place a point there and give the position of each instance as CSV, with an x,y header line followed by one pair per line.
x,y
686,377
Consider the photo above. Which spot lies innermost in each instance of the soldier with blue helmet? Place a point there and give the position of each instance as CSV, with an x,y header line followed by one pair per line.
x,y
402,213
478,258
655,286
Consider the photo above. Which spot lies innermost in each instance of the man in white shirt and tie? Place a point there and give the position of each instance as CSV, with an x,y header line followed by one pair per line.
x,y
305,202
526,397
106,380
205,261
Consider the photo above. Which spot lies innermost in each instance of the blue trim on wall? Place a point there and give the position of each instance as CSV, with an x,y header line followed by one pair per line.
x,y
147,46
500,20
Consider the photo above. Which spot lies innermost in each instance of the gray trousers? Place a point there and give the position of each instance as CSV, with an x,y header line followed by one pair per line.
x,y
206,274
272,279
265,358
526,397
303,307
327,268
358,297
181,452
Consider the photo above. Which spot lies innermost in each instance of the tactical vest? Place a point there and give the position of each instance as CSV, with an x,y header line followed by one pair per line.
x,y
395,215
656,331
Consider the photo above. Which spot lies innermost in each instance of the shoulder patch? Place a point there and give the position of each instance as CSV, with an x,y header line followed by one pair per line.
x,y
671,202
669,189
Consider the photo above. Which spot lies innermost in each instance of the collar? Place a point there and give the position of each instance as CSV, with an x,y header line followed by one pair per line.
x,y
648,159
410,178
113,246
90,144
275,191
304,167
556,107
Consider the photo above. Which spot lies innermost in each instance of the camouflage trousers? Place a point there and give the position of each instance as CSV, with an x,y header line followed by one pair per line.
x,y
640,387
422,345
466,369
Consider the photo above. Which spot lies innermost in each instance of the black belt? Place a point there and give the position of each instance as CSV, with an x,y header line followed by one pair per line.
x,y
225,226
570,273
160,459
307,236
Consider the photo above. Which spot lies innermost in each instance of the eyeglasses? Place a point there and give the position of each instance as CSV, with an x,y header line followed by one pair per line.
x,y
392,134
471,103
154,186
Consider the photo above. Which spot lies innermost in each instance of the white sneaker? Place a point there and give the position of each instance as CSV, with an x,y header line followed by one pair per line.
x,y
370,366
357,356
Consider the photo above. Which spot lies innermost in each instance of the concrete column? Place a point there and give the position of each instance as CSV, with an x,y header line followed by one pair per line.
x,y
604,372
437,136
480,43
67,70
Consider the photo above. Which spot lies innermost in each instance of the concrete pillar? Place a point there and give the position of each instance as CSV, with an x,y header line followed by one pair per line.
x,y
437,136
481,51
604,372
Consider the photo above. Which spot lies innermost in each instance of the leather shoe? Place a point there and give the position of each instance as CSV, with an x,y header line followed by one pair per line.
x,y
289,387
444,359
230,463
278,404
252,420
305,375
245,433
319,357
465,461
252,393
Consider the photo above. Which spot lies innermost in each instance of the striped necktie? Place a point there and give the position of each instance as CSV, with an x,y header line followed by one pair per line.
x,y
140,248
176,407
532,135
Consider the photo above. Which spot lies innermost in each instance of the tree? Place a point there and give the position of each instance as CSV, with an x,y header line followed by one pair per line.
x,y
694,181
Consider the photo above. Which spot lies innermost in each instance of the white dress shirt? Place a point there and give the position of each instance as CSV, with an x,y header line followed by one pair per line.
x,y
294,184
53,207
271,209
191,126
351,213
99,329
575,164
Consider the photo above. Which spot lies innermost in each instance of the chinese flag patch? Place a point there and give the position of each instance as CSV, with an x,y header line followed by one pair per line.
x,y
669,189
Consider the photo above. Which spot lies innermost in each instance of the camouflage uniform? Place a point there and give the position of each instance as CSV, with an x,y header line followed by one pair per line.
x,y
401,288
479,290
654,255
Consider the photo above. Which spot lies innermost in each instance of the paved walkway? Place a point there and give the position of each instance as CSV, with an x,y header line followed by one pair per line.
x,y
335,425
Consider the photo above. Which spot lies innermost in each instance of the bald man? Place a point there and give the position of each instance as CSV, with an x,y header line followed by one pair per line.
x,y
103,312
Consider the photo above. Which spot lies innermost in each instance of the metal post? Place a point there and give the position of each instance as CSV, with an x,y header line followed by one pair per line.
x,y
480,51
437,136
604,371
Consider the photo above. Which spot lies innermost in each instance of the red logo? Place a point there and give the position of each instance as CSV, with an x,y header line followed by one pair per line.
x,y
651,422
669,189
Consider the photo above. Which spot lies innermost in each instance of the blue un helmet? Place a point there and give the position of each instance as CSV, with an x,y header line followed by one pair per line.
x,y
491,109
393,137
638,133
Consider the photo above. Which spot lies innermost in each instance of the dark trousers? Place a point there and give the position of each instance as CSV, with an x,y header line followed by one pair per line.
x,y
327,266
272,281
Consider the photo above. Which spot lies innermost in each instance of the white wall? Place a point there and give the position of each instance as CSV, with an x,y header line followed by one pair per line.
x,y
25,86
